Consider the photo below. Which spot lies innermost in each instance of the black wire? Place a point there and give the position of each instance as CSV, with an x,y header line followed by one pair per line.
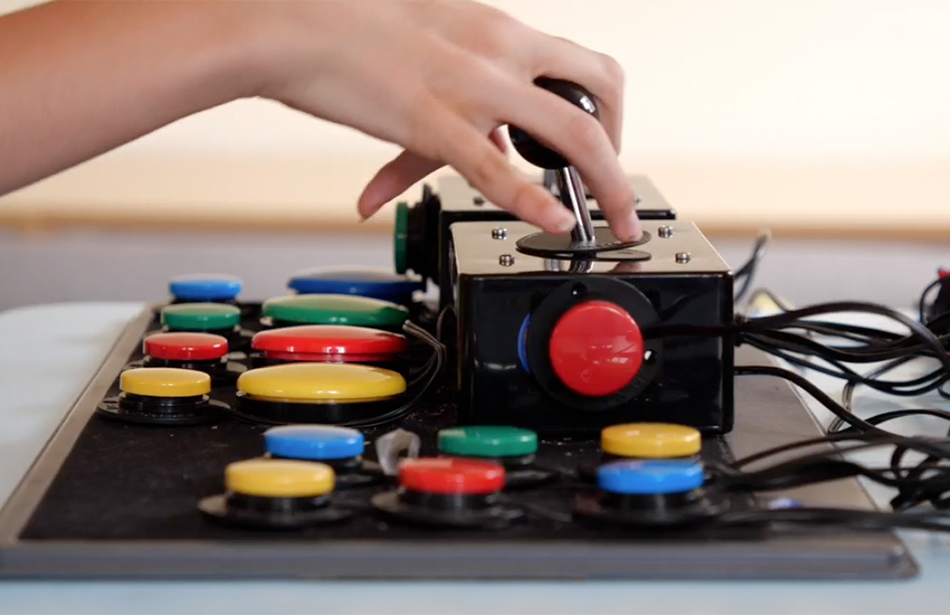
x,y
928,446
800,338
776,335
748,270
922,303
925,482
827,439
923,384
848,391
819,395
928,343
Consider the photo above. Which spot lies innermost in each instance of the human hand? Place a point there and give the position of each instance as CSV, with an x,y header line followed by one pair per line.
x,y
439,78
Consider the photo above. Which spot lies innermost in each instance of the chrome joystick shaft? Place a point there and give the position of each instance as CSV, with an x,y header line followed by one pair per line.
x,y
558,172
571,192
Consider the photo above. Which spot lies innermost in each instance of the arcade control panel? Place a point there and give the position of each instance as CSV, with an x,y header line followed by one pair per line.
x,y
566,410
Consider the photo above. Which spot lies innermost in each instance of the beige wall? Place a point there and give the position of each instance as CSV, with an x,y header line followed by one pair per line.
x,y
799,112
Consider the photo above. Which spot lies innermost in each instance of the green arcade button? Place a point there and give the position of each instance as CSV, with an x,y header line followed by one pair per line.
x,y
200,316
352,310
401,237
488,441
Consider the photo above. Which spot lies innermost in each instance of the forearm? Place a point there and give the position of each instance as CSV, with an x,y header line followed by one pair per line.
x,y
78,78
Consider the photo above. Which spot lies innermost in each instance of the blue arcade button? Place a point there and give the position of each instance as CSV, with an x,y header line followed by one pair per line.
x,y
374,283
205,287
313,442
650,477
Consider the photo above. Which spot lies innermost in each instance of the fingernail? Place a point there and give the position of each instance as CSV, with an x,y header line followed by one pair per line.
x,y
565,223
629,229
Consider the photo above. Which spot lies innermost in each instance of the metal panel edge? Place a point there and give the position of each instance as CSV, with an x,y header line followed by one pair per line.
x,y
32,487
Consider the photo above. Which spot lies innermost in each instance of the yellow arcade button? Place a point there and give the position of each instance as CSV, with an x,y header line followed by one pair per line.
x,y
165,382
278,478
321,383
650,440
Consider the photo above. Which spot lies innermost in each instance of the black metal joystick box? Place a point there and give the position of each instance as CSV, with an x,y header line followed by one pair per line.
x,y
422,230
567,346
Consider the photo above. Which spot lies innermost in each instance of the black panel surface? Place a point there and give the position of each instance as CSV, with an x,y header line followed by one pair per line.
x,y
122,503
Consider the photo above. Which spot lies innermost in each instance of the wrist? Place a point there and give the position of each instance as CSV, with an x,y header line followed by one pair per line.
x,y
232,48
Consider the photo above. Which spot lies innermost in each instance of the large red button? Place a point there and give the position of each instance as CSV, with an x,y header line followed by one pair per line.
x,y
451,476
329,343
596,348
185,346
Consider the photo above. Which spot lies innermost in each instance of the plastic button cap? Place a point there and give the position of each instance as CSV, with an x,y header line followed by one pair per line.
x,y
279,478
330,340
451,476
596,348
321,382
313,442
650,477
366,282
205,287
200,316
650,440
336,310
185,346
164,382
487,441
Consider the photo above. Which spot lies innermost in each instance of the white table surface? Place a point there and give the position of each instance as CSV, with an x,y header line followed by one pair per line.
x,y
49,353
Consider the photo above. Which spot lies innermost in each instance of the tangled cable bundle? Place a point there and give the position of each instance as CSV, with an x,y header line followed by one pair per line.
x,y
810,337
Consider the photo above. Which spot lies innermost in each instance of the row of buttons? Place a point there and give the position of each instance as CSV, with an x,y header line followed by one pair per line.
x,y
658,459
373,283
289,383
350,310
304,343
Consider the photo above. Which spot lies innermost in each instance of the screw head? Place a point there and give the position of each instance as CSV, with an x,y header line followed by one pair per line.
x,y
636,199
479,200
665,232
499,233
506,260
683,257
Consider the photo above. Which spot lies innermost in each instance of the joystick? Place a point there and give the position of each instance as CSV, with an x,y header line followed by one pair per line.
x,y
585,240
570,188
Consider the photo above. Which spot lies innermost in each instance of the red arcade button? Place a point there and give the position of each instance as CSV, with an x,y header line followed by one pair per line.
x,y
596,348
185,346
329,342
451,476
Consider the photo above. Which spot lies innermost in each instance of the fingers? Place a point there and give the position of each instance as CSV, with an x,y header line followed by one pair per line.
x,y
396,176
601,75
581,139
498,138
487,170
399,174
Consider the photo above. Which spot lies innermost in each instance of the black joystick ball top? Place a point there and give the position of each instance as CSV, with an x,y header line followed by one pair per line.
x,y
528,147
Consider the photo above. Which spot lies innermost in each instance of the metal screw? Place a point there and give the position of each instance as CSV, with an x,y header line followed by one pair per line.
x,y
665,232
499,233
683,257
479,200
636,199
506,260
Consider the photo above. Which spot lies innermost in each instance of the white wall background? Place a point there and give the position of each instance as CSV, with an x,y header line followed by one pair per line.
x,y
821,109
